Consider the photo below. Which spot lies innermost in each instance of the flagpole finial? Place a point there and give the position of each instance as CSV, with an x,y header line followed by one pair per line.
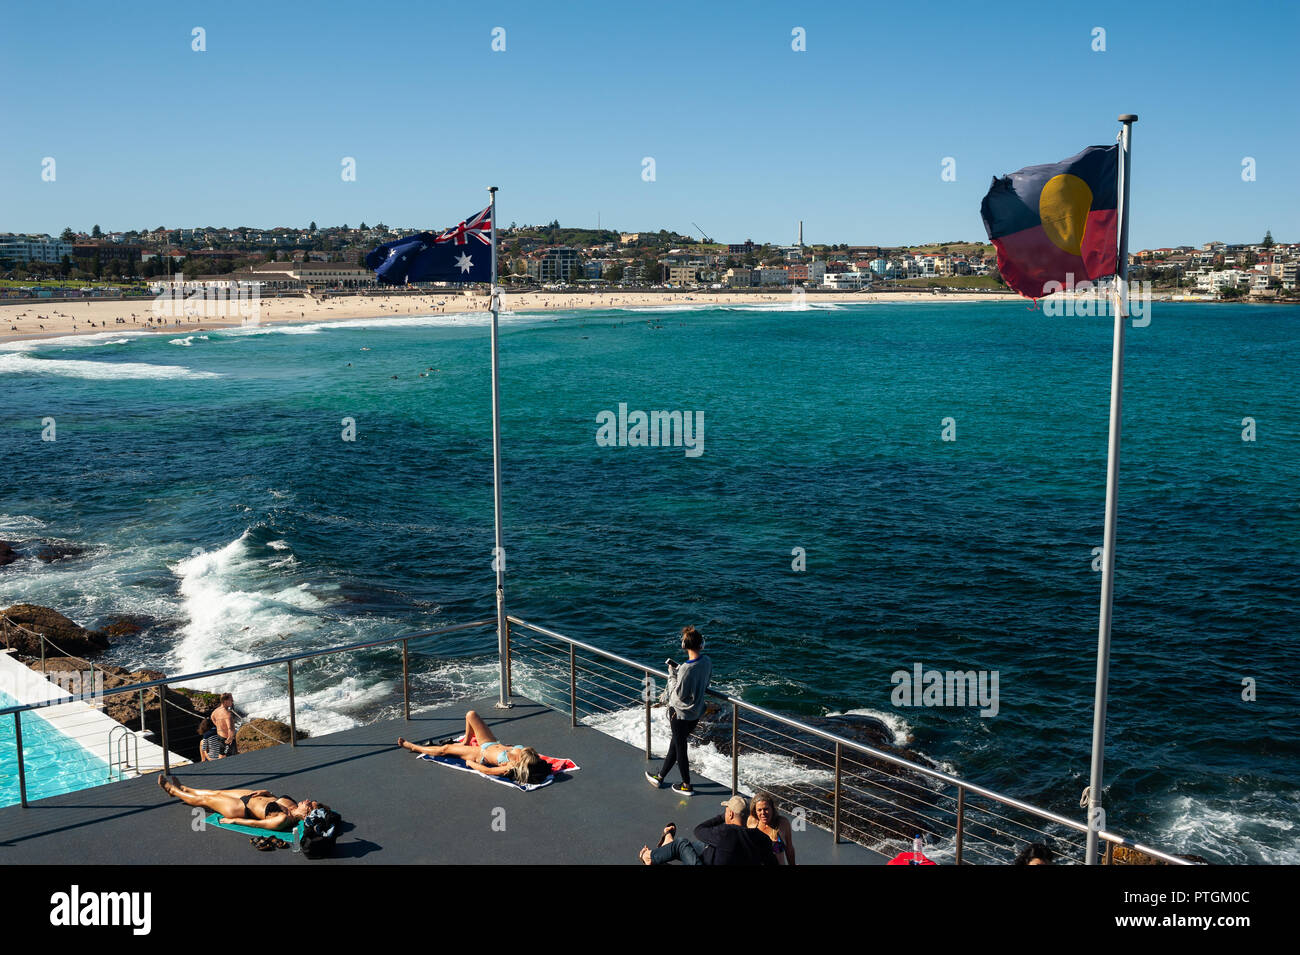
x,y
1128,117
494,188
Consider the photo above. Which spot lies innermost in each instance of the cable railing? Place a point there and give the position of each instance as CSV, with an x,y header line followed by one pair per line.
x,y
159,713
857,791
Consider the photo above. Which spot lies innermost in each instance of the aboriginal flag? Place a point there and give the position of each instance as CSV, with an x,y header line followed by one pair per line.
x,y
1050,222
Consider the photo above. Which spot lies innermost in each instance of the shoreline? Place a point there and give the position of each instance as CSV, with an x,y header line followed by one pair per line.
x,y
35,320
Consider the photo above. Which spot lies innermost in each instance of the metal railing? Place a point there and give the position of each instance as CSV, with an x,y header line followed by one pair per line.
x,y
286,661
855,790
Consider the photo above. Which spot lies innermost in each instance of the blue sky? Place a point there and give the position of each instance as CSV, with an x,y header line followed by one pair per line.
x,y
748,136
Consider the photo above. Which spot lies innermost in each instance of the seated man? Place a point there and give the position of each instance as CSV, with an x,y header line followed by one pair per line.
x,y
722,840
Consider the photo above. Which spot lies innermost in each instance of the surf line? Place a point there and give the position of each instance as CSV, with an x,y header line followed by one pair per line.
x,y
654,429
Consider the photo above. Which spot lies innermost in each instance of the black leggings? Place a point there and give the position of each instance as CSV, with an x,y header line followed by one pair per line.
x,y
681,730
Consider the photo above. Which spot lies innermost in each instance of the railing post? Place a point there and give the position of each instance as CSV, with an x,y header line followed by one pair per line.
x,y
510,674
735,748
961,819
162,722
406,681
142,728
648,754
1109,857
22,774
293,716
835,818
42,654
573,688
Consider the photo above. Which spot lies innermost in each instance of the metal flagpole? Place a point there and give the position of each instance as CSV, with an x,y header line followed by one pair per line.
x,y
1095,812
498,552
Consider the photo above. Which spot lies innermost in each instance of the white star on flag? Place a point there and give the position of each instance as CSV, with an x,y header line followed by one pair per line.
x,y
464,262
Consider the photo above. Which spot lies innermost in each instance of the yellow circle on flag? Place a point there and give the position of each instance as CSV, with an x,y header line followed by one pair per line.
x,y
1063,207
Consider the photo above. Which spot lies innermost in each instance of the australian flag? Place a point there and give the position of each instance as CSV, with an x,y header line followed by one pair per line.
x,y
461,254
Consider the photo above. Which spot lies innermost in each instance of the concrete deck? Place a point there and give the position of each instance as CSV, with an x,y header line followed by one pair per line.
x,y
397,808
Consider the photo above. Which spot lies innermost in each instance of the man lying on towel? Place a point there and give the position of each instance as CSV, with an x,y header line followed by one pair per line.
x,y
482,751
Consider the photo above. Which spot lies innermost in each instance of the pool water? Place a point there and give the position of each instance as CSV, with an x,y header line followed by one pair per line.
x,y
52,762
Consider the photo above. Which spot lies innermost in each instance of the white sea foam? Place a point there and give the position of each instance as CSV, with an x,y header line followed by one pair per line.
x,y
1250,832
451,319
278,545
188,340
232,616
899,728
73,341
20,364
20,522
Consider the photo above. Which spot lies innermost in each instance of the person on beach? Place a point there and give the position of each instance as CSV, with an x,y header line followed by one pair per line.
x,y
722,840
257,808
764,817
489,755
223,717
685,696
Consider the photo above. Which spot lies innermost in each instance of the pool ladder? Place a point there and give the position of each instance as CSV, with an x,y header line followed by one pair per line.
x,y
124,757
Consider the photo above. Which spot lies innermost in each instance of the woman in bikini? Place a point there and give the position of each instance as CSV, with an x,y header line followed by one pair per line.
x,y
763,816
256,808
489,756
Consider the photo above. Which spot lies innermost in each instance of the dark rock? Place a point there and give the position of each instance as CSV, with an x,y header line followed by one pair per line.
x,y
65,636
7,554
48,553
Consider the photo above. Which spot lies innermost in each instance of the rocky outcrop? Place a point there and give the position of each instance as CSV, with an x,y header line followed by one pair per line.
x,y
67,636
48,553
7,554
261,734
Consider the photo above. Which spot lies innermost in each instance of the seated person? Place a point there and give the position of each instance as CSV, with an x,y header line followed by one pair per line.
x,y
764,817
256,808
489,755
722,840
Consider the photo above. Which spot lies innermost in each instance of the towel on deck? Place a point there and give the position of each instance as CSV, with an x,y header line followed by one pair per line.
x,y
214,819
558,765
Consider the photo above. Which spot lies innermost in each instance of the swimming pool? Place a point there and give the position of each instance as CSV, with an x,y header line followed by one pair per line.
x,y
53,763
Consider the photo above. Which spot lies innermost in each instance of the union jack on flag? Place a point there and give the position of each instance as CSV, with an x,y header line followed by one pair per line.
x,y
477,227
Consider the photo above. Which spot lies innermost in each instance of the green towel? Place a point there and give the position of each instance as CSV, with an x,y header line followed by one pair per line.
x,y
214,819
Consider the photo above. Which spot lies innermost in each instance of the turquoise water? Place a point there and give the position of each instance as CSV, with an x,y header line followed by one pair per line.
x,y
52,763
208,478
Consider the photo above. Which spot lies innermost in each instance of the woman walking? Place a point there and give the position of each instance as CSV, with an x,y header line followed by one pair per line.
x,y
685,696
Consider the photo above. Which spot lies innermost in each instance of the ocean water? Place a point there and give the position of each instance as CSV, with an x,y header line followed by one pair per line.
x,y
207,478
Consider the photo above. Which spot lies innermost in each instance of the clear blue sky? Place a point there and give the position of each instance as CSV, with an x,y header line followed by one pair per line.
x,y
748,136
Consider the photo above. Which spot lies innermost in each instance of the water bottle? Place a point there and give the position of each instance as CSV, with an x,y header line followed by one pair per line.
x,y
917,846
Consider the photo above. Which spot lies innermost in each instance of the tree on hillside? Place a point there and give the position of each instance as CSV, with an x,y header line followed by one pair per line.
x,y
363,227
313,225
1268,239
95,233
68,235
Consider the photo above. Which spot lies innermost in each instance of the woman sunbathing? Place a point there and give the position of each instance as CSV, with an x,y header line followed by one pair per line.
x,y
489,756
256,808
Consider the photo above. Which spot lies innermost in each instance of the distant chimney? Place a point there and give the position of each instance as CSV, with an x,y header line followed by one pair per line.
x,y
801,233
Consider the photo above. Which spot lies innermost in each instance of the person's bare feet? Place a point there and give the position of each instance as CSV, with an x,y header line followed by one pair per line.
x,y
644,855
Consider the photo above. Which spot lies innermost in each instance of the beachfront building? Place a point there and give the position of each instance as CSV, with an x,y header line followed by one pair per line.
x,y
846,280
683,275
738,278
20,249
559,264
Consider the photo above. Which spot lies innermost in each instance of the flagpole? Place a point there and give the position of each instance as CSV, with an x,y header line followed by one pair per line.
x,y
1112,482
498,552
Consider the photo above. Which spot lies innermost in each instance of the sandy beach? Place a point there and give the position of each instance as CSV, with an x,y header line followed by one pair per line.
x,y
36,318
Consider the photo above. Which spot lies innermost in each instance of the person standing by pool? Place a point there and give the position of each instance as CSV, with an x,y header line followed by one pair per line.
x,y
685,696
